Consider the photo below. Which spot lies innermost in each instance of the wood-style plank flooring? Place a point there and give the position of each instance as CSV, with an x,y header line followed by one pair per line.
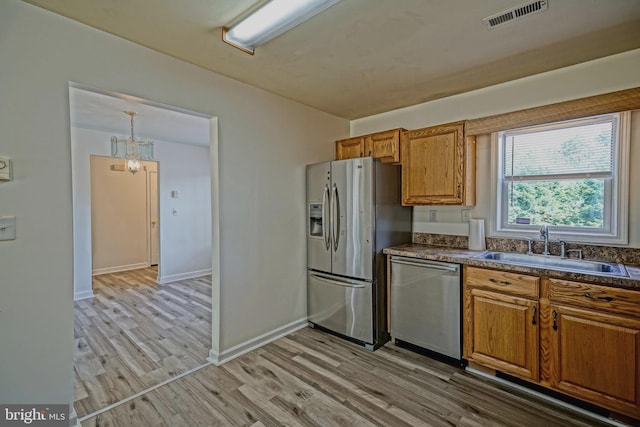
x,y
311,378
135,334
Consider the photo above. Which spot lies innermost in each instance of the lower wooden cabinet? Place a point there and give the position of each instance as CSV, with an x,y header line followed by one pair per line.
x,y
594,356
504,333
501,321
576,338
591,334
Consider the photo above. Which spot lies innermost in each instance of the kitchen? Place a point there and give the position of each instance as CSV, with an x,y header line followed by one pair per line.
x,y
524,280
246,226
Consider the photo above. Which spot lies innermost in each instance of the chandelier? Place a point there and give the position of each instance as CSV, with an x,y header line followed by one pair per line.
x,y
131,149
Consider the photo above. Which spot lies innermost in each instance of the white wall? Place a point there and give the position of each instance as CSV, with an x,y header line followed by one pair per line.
x,y
185,222
603,75
118,216
264,143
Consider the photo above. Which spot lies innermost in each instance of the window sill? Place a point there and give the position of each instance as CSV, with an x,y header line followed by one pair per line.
x,y
574,237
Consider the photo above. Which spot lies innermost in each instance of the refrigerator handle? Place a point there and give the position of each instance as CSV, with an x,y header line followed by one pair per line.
x,y
326,232
346,284
335,203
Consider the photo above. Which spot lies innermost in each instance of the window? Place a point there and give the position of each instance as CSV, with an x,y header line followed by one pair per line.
x,y
571,175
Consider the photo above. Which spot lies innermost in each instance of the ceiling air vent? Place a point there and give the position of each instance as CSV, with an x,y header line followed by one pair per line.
x,y
515,13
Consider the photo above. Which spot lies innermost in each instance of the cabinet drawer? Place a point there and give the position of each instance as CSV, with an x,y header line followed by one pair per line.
x,y
511,283
594,296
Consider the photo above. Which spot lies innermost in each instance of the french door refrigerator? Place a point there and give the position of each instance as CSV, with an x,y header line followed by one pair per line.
x,y
353,212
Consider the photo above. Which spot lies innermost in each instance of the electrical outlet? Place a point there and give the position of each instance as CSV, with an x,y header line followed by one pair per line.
x,y
465,214
433,216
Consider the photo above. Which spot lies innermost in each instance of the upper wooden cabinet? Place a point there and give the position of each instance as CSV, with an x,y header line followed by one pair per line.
x,y
381,145
438,166
350,148
384,145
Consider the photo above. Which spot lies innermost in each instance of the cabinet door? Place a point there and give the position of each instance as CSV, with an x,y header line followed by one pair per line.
x,y
501,332
595,356
384,146
350,148
433,165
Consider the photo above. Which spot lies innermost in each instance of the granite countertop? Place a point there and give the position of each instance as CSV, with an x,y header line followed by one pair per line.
x,y
472,258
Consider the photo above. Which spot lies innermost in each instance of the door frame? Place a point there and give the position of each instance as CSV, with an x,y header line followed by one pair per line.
x,y
150,204
80,225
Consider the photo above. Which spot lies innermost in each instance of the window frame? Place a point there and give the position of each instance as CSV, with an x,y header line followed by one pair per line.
x,y
616,208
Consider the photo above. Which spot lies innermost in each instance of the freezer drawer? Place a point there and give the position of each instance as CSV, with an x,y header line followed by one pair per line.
x,y
425,304
341,305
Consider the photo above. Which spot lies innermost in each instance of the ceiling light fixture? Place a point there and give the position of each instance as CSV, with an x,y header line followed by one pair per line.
x,y
132,150
270,19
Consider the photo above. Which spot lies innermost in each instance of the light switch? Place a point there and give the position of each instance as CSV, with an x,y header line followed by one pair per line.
x,y
7,227
5,169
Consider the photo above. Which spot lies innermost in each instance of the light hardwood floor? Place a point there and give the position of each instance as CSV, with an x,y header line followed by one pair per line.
x,y
311,378
135,334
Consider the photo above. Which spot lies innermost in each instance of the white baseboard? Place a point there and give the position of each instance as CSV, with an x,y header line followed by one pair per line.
x,y
119,268
82,295
182,276
254,343
73,418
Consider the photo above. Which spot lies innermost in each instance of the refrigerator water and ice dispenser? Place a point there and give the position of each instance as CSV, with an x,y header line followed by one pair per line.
x,y
315,220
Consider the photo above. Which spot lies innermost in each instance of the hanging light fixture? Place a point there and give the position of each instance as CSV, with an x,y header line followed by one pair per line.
x,y
134,151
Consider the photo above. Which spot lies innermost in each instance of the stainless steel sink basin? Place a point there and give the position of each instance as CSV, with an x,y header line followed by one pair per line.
x,y
556,263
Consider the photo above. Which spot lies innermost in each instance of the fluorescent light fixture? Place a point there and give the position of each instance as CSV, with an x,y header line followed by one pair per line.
x,y
271,19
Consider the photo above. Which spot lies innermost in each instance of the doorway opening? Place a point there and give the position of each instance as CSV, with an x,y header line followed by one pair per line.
x,y
124,216
138,327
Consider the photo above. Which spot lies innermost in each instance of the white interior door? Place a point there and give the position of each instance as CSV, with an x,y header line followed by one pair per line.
x,y
154,225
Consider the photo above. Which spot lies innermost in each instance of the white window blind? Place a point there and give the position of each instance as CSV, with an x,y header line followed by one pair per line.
x,y
584,150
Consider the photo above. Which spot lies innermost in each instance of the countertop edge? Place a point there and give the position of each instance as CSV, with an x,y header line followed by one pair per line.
x,y
470,258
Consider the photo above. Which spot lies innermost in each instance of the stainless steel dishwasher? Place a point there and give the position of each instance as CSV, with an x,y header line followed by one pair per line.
x,y
425,304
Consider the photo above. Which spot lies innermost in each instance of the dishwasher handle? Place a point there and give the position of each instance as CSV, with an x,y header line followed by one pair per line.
x,y
426,264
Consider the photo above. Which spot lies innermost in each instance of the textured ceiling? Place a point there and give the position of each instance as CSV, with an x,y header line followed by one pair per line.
x,y
105,112
362,57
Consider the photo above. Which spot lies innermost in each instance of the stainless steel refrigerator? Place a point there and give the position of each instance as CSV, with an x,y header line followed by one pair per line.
x,y
353,212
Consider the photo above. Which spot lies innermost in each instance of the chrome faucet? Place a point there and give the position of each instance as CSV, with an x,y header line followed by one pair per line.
x,y
544,235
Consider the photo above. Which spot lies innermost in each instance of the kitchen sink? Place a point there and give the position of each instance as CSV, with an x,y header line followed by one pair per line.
x,y
556,263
